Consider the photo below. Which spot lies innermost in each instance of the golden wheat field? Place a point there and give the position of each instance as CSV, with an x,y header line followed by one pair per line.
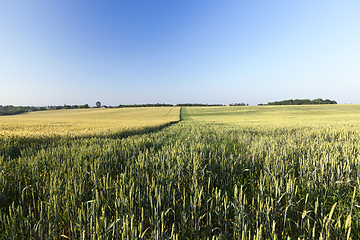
x,y
80,122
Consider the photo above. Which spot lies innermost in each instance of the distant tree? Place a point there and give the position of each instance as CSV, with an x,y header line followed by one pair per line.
x,y
98,104
238,104
84,106
318,101
303,102
197,105
146,105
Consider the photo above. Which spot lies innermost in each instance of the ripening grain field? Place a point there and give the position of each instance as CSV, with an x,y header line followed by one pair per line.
x,y
267,172
85,122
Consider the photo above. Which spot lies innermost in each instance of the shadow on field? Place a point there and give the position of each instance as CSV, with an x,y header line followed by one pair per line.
x,y
11,147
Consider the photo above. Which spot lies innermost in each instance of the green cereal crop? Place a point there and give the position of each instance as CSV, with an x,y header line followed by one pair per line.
x,y
220,173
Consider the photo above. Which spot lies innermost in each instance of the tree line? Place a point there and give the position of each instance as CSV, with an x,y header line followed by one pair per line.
x,y
198,105
146,105
301,102
12,110
238,104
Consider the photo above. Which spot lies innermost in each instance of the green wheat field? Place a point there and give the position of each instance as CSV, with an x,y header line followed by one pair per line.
x,y
257,172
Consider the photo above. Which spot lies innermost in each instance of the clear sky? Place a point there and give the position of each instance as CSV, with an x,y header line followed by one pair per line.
x,y
175,51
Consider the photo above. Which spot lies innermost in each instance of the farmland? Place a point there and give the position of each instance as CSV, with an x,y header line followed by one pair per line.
x,y
265,172
86,122
303,115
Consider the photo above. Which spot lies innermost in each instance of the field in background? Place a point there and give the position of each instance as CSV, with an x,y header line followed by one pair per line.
x,y
86,122
302,115
269,172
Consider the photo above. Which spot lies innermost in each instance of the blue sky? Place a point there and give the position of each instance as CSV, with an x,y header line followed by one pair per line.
x,y
123,52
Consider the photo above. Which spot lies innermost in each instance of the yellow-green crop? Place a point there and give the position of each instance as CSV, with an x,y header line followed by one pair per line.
x,y
302,115
288,172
